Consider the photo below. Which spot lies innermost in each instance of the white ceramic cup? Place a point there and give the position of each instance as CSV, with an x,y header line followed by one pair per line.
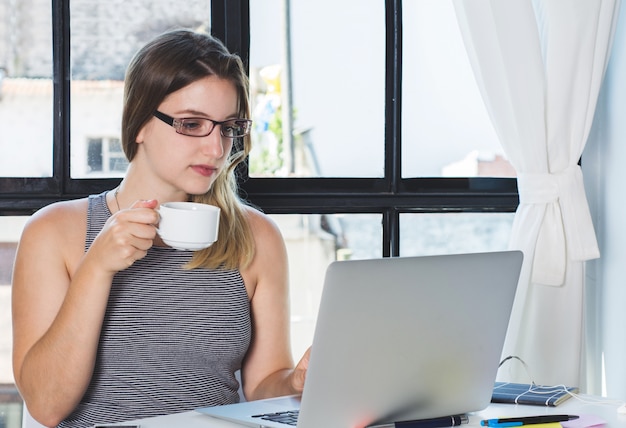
x,y
188,225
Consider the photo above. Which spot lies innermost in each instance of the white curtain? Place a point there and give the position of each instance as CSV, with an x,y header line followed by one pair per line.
x,y
539,65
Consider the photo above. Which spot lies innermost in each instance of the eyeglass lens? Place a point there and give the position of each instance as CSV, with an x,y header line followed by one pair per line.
x,y
198,127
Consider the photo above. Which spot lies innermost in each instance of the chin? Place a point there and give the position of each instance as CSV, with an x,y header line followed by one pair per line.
x,y
198,186
199,191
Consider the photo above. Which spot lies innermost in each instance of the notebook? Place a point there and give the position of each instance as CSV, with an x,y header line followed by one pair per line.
x,y
537,395
400,339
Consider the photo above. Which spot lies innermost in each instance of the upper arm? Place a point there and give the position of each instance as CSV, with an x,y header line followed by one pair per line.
x,y
270,350
41,274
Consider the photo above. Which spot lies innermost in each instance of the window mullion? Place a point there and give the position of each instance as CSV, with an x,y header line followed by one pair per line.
x,y
393,94
61,93
391,233
230,22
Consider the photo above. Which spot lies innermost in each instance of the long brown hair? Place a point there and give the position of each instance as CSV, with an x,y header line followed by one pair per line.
x,y
168,63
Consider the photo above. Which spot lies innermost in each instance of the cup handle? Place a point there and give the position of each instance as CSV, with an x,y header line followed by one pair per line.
x,y
156,226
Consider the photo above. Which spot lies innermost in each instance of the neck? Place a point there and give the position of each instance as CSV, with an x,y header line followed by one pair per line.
x,y
135,187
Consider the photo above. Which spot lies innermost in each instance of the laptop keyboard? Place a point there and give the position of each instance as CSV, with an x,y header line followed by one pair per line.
x,y
288,418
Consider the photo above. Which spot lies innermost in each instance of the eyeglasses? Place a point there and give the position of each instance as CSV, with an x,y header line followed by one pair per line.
x,y
201,127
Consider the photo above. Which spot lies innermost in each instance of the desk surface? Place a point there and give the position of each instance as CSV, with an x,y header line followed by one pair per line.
x,y
595,407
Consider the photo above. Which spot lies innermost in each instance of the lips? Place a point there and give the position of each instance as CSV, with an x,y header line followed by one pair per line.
x,y
204,170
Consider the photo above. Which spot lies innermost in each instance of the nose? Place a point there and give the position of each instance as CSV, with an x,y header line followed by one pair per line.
x,y
213,144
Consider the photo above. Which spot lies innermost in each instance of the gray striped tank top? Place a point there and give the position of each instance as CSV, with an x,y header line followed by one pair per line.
x,y
171,341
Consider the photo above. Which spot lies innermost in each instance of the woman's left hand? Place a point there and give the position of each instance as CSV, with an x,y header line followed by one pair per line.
x,y
299,372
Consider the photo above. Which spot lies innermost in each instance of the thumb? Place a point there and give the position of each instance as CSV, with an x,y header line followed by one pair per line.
x,y
304,361
299,373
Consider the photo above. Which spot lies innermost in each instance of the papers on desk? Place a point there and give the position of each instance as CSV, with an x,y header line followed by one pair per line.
x,y
585,421
552,425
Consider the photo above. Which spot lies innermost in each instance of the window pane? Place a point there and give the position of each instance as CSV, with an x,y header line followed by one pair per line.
x,y
446,130
313,242
431,234
25,89
337,88
104,37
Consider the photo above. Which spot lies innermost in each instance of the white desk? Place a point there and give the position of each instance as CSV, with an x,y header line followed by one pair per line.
x,y
605,409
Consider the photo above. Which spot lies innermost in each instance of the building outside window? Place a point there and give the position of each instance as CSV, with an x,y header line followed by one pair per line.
x,y
105,155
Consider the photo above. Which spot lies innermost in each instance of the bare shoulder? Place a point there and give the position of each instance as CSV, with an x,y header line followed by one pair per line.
x,y
60,222
263,227
270,246
51,246
60,213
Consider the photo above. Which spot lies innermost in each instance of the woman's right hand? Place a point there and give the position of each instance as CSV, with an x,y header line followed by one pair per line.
x,y
126,236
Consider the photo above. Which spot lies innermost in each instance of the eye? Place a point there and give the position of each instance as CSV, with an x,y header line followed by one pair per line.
x,y
232,129
191,125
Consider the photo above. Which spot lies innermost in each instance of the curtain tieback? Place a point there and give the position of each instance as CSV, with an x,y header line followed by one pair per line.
x,y
566,231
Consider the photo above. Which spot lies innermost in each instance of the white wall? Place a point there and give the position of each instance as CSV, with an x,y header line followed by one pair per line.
x,y
604,167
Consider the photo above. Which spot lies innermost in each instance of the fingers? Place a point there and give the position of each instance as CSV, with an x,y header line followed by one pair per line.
x,y
141,212
137,231
126,242
150,203
127,236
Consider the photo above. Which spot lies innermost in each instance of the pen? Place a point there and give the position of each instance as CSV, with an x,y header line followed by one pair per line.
x,y
526,420
445,421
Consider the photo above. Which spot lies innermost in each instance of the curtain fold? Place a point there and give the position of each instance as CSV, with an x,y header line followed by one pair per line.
x,y
539,65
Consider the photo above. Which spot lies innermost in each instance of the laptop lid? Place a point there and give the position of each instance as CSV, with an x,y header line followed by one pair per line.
x,y
402,338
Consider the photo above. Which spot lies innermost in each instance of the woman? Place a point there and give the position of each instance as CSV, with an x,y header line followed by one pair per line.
x,y
109,323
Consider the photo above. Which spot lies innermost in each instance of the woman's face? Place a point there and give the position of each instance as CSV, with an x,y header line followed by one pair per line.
x,y
184,162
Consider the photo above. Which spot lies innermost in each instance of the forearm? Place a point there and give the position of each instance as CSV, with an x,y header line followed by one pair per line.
x,y
275,385
53,379
56,370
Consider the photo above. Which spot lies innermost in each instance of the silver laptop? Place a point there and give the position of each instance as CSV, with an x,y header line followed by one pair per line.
x,y
399,339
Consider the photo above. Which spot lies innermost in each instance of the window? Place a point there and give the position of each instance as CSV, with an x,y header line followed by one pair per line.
x,y
103,38
441,104
322,86
104,156
372,170
25,89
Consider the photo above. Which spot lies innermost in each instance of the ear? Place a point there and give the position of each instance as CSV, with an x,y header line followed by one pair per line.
x,y
141,135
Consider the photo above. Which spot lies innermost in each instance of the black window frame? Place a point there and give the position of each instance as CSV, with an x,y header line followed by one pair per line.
x,y
390,195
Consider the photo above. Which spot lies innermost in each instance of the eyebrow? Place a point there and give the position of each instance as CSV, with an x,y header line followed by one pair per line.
x,y
197,113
